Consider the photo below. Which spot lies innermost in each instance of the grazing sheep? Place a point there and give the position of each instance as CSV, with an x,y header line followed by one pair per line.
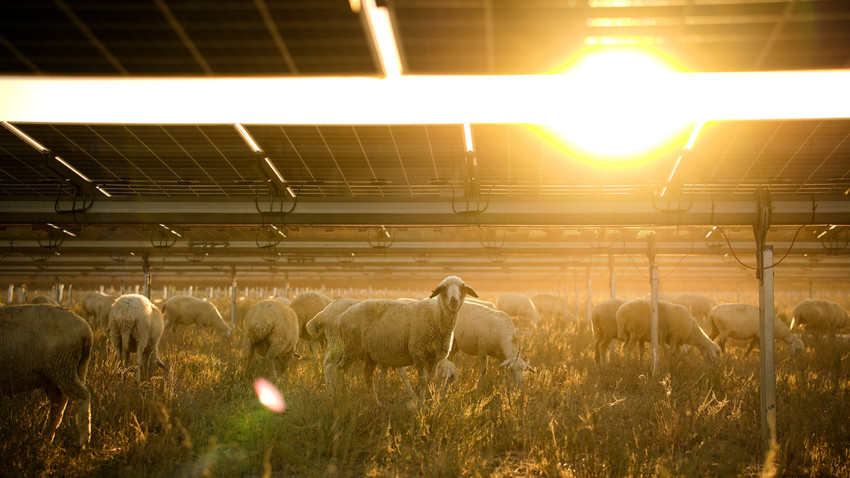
x,y
698,305
676,327
818,315
481,331
324,326
43,346
283,300
741,321
188,310
306,305
136,325
446,371
604,320
518,305
400,333
271,330
96,306
43,299
549,306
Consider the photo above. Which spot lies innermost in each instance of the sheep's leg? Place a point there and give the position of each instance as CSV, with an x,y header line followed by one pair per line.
x,y
368,370
482,369
402,372
74,388
58,401
721,341
753,343
602,351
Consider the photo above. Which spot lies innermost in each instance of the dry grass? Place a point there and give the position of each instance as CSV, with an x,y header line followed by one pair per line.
x,y
571,419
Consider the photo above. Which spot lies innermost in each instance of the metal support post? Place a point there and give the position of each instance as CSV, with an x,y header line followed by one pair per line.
x,y
234,292
653,321
146,268
767,365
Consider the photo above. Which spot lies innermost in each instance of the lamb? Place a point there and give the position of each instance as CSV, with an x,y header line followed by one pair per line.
x,y
550,306
741,321
481,331
518,305
96,306
43,299
271,330
676,327
818,315
136,325
698,305
43,346
306,305
604,320
400,333
188,310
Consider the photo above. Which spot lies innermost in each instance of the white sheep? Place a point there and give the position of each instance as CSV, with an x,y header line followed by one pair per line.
x,y
446,371
604,320
482,332
818,315
485,303
187,310
306,305
271,330
43,346
741,321
518,305
96,306
549,306
283,300
698,305
676,327
43,299
324,326
136,325
400,333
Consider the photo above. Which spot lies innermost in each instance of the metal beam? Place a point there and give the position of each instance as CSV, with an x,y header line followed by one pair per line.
x,y
517,212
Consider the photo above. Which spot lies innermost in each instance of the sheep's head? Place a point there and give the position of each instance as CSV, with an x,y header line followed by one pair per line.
x,y
796,346
452,292
515,366
712,352
446,371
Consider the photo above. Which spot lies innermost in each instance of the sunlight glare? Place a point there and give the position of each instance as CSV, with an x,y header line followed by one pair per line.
x,y
269,395
622,122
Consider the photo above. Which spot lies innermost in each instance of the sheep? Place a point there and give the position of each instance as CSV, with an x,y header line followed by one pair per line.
x,y
96,306
518,305
271,330
43,346
399,333
818,315
604,320
136,325
481,331
43,299
446,371
188,310
698,305
741,321
306,305
485,303
324,326
550,306
676,327
283,300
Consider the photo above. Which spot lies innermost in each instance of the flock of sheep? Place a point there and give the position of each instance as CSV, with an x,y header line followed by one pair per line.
x,y
46,346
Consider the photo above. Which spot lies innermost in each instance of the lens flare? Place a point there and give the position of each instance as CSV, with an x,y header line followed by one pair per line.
x,y
269,395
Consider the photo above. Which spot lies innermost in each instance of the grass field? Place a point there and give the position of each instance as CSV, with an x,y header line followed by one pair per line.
x,y
572,418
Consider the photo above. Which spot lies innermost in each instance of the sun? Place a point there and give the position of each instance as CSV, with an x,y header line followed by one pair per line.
x,y
613,118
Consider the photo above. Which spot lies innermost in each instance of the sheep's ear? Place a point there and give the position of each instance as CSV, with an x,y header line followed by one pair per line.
x,y
469,291
439,290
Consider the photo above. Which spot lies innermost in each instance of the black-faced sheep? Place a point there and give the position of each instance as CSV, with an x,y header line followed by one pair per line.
x,y
820,316
604,320
96,306
42,346
271,330
518,305
400,333
741,321
676,327
136,325
306,305
188,310
482,332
